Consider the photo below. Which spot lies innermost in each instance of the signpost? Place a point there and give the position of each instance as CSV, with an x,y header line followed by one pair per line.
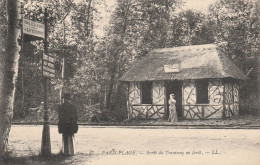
x,y
46,60
33,28
48,66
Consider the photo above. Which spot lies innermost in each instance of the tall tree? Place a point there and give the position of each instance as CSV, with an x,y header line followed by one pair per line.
x,y
237,24
123,12
29,89
136,27
191,28
8,73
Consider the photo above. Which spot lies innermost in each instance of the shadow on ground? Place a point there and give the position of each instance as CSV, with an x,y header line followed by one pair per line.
x,y
10,159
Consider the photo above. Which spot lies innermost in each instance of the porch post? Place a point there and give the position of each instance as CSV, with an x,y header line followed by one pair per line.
x,y
224,100
165,100
128,105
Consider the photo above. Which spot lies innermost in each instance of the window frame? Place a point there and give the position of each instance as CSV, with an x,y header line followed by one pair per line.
x,y
200,98
142,92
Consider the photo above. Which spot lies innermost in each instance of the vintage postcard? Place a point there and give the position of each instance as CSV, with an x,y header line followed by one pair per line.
x,y
133,82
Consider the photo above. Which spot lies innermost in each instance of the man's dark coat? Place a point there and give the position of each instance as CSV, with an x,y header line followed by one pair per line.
x,y
67,113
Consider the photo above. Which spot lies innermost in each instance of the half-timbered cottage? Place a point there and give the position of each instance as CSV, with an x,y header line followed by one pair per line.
x,y
205,83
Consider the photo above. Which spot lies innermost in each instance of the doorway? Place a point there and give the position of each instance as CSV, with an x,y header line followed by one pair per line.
x,y
174,87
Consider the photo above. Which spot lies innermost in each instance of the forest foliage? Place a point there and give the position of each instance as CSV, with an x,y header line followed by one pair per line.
x,y
94,63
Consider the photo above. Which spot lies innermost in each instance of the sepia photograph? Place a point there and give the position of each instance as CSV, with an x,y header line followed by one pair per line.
x,y
129,82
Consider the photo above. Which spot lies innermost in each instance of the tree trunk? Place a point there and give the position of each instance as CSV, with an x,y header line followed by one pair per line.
x,y
89,7
8,73
63,62
110,88
116,56
64,52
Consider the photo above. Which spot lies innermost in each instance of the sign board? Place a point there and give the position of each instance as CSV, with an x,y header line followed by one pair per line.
x,y
48,74
33,28
48,58
173,68
48,66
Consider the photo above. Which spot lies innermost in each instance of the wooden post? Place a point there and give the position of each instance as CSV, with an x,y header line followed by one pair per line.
x,y
128,101
165,101
63,63
224,100
22,57
46,145
202,111
182,100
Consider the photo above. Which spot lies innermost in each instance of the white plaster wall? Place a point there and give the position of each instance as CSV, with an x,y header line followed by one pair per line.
x,y
228,99
158,92
213,111
186,113
228,93
215,92
189,92
235,92
144,111
236,109
134,93
189,97
231,99
139,111
215,107
236,99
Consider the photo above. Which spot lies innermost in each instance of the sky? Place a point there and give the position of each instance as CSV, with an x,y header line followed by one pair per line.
x,y
200,5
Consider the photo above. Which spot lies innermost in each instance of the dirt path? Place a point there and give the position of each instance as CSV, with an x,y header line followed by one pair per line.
x,y
113,145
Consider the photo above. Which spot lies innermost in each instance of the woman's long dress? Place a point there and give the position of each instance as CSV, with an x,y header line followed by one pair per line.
x,y
172,111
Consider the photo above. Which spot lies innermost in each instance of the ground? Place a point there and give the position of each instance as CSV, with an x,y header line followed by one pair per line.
x,y
242,121
142,145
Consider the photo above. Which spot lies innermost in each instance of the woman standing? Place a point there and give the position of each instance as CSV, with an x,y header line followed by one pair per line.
x,y
172,109
67,125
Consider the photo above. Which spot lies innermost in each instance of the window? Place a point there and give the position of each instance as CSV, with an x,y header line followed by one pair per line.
x,y
202,91
146,90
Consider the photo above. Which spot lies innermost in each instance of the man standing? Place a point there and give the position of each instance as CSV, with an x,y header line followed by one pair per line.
x,y
67,125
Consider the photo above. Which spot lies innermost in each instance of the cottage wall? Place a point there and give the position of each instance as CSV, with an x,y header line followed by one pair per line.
x,y
134,97
215,91
189,92
134,93
154,110
214,109
236,98
223,100
231,99
158,92
157,110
